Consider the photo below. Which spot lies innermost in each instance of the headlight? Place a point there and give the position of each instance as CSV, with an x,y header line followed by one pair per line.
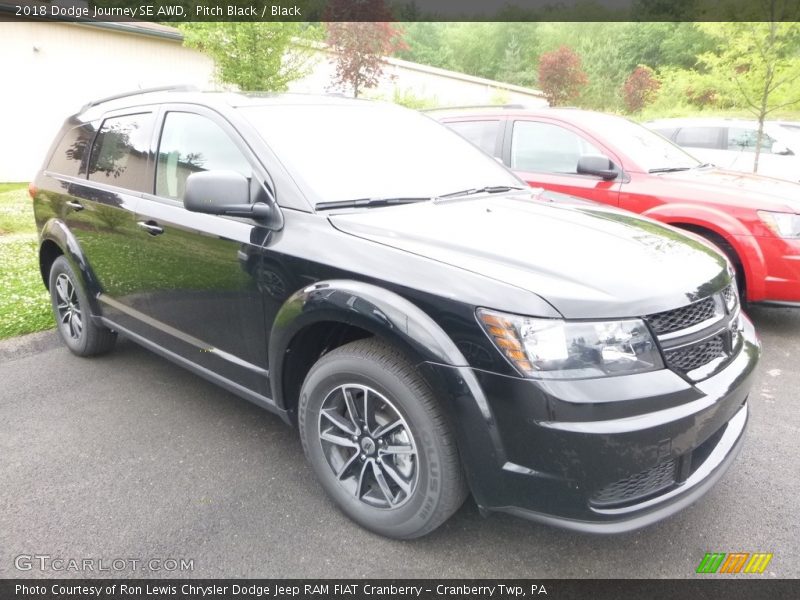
x,y
785,225
557,349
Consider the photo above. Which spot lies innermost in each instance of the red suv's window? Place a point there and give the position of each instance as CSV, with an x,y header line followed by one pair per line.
x,y
547,148
481,133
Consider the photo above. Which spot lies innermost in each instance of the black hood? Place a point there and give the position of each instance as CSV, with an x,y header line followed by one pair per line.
x,y
586,260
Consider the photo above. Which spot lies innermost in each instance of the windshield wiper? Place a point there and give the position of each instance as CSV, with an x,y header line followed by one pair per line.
x,y
489,189
669,169
369,202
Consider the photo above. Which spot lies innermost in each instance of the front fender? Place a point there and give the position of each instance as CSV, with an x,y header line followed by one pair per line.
x,y
728,228
372,308
57,232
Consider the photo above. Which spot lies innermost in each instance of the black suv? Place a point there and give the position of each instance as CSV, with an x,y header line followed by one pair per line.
x,y
430,324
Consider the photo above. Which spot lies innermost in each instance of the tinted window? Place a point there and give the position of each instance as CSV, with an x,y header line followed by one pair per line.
x,y
745,139
70,156
700,137
547,148
481,133
190,144
119,154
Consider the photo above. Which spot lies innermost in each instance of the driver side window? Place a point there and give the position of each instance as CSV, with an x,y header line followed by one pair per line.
x,y
189,144
547,148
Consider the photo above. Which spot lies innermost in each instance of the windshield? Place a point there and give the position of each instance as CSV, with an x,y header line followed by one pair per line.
x,y
650,150
353,151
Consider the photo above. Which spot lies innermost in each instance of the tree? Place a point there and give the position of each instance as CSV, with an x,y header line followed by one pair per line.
x,y
359,45
640,88
762,64
560,75
254,56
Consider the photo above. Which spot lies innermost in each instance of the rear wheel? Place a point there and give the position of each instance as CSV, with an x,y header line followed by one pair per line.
x,y
379,442
73,317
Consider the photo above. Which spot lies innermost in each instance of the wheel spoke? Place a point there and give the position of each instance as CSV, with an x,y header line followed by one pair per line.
x,y
76,324
339,440
61,291
66,316
346,466
377,471
384,429
339,421
396,449
352,412
361,478
401,482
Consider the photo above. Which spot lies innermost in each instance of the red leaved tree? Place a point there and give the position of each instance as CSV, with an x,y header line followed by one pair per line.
x,y
560,75
640,88
360,46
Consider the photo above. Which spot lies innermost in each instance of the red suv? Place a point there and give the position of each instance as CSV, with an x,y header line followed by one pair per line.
x,y
755,220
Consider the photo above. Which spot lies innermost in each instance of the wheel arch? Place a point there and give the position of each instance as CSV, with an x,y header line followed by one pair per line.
x,y
712,223
329,314
57,240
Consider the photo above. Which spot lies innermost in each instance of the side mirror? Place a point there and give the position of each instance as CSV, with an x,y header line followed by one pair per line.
x,y
222,193
598,165
778,148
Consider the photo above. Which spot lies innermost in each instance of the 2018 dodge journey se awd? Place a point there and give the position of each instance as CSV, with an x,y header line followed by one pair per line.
x,y
430,324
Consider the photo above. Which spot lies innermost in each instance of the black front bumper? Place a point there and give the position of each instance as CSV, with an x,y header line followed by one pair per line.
x,y
602,455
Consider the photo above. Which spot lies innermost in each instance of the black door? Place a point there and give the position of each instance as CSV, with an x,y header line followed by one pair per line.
x,y
100,211
199,272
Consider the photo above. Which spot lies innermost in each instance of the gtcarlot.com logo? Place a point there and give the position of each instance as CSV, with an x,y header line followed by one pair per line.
x,y
734,562
46,562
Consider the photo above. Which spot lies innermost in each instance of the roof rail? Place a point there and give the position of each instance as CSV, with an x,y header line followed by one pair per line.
x,y
514,106
163,88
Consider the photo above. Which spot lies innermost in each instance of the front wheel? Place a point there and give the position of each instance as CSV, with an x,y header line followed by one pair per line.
x,y
379,442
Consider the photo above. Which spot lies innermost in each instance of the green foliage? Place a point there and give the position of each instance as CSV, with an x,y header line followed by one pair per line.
x,y
409,99
255,56
757,64
24,302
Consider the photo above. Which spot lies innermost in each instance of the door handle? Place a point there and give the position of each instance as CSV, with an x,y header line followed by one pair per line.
x,y
150,227
74,205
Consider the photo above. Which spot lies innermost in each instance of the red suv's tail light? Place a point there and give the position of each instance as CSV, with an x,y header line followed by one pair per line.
x,y
32,190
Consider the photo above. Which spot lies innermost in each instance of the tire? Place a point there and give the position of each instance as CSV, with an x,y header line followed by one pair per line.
x,y
407,437
73,315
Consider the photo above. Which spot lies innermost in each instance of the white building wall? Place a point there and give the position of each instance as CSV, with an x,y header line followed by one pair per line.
x,y
442,87
49,70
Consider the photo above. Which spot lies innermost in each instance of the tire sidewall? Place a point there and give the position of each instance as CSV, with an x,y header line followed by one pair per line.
x,y
410,519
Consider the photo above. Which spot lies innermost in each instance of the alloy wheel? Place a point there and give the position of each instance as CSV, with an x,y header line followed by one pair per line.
x,y
70,318
369,446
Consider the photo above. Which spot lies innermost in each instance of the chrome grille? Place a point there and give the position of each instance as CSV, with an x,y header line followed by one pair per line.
x,y
682,318
636,487
696,355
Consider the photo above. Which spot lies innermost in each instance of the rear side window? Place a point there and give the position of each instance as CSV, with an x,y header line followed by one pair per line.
x,y
481,133
745,140
700,137
192,143
72,151
119,154
547,148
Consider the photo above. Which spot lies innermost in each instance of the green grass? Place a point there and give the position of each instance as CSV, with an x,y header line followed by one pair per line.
x,y
24,302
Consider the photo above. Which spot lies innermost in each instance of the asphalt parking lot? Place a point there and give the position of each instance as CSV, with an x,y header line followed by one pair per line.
x,y
128,456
